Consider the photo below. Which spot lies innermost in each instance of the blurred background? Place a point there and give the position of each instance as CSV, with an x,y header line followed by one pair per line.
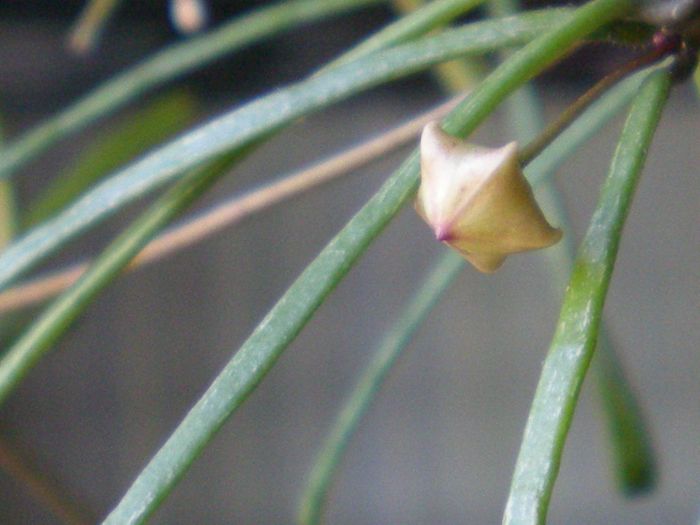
x,y
440,444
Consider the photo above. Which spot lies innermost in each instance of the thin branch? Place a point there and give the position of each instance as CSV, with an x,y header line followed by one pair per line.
x,y
232,211
555,128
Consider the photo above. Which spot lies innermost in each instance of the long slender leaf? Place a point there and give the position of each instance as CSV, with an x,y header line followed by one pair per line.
x,y
241,127
313,499
575,338
167,65
232,210
333,449
57,317
634,461
455,76
633,456
258,354
417,23
119,144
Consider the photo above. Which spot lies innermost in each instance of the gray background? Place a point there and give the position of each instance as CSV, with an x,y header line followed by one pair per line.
x,y
440,443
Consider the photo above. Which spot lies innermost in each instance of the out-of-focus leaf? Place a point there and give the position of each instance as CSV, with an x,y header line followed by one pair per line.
x,y
115,146
169,64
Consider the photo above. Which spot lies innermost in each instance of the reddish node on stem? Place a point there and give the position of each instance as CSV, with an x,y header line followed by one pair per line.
x,y
666,43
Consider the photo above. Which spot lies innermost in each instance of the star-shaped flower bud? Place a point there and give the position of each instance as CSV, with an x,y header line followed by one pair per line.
x,y
477,200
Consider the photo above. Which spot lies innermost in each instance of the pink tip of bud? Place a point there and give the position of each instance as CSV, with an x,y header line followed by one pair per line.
x,y
443,233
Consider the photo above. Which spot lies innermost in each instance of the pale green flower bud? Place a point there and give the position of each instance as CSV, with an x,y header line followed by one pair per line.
x,y
477,200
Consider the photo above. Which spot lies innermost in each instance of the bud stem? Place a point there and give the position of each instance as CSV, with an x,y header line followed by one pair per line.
x,y
661,48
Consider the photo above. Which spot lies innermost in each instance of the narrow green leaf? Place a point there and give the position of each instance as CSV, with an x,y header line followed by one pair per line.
x,y
167,65
281,325
47,329
633,456
632,453
57,317
239,128
412,316
119,144
454,76
414,24
575,338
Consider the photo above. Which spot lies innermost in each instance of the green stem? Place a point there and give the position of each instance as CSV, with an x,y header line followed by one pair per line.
x,y
242,127
165,66
575,338
259,353
57,317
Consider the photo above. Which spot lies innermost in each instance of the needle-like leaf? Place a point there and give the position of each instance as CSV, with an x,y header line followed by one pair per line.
x,y
579,322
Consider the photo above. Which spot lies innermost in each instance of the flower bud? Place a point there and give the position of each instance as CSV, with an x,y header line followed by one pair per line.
x,y
477,200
